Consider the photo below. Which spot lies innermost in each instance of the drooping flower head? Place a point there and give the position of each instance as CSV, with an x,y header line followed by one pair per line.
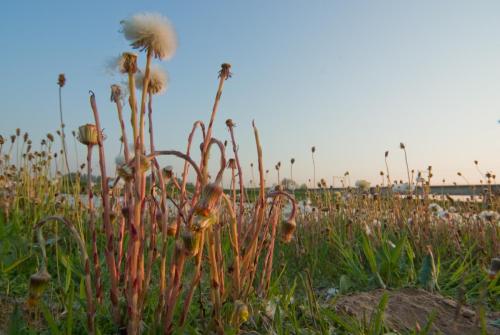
x,y
158,80
151,31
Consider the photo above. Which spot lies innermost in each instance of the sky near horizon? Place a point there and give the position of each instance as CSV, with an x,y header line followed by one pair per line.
x,y
353,78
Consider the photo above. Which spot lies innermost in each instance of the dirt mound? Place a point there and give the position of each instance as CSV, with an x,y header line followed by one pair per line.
x,y
407,307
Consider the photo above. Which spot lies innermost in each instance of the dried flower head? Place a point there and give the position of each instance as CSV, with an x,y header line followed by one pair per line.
x,y
168,171
313,149
287,229
116,93
230,123
126,63
402,145
386,154
292,161
231,164
61,80
225,71
151,31
209,200
158,80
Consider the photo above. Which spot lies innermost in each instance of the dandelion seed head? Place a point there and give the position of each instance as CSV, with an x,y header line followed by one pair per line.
x,y
151,31
158,80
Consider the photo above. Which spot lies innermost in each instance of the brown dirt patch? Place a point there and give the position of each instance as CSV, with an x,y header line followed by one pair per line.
x,y
408,306
7,305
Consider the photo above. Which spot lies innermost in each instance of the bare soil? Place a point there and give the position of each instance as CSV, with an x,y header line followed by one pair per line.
x,y
408,307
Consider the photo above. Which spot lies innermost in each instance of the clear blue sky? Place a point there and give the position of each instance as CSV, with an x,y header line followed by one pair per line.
x,y
353,78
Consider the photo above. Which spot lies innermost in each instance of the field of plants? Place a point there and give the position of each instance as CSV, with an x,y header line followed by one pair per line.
x,y
142,251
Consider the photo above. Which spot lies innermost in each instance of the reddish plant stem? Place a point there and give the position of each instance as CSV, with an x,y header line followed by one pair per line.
x,y
93,232
110,260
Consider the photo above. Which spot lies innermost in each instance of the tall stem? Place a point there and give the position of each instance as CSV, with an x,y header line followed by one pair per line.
x,y
106,216
95,252
63,135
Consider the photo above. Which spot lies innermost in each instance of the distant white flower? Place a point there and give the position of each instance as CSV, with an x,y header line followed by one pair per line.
x,y
435,208
489,216
363,185
368,230
402,188
158,80
151,31
391,244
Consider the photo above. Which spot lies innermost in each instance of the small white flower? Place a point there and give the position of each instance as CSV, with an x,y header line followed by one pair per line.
x,y
151,31
435,208
270,308
391,244
489,216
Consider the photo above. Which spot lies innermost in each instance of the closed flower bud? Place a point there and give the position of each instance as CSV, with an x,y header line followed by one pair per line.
x,y
202,222
127,63
171,229
61,80
287,229
168,171
241,312
494,268
87,134
38,283
231,163
209,200
191,240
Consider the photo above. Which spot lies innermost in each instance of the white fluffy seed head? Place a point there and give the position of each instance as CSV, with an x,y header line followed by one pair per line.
x,y
158,80
151,31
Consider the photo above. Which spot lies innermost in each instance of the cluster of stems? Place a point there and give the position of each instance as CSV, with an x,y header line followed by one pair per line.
x,y
147,244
